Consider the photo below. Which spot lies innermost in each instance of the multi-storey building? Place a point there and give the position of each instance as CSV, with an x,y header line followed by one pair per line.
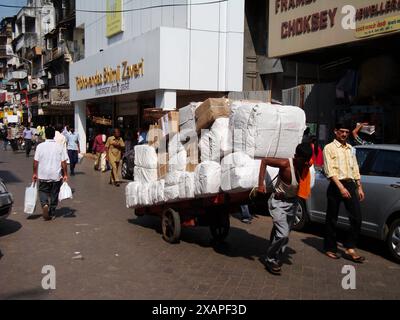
x,y
63,46
161,54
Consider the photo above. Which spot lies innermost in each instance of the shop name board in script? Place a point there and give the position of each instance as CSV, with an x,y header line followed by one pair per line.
x,y
123,72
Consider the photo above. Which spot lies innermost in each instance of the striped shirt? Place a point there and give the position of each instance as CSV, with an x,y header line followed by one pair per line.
x,y
340,161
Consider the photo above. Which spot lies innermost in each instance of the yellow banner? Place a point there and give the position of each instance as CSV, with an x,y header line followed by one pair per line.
x,y
373,28
114,17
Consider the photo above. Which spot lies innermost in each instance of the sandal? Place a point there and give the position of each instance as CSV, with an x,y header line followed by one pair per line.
x,y
332,255
273,268
353,256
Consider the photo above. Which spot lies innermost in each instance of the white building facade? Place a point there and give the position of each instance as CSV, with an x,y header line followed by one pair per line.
x,y
148,53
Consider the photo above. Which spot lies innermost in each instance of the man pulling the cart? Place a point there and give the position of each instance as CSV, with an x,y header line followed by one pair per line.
x,y
293,175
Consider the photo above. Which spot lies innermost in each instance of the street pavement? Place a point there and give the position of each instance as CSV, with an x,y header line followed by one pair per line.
x,y
124,257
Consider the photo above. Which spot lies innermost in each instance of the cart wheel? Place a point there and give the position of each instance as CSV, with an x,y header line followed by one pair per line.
x,y
171,226
219,226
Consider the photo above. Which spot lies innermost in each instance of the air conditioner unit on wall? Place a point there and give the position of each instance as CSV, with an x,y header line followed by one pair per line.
x,y
34,84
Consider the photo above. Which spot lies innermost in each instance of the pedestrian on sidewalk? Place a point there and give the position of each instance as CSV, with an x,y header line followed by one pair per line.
x,y
283,201
28,136
4,133
99,148
342,170
14,137
59,137
73,149
114,148
50,160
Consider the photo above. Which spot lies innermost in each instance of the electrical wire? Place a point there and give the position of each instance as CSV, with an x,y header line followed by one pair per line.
x,y
127,10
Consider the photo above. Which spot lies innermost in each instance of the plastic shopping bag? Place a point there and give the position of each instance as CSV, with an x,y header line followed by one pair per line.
x,y
65,192
31,194
80,157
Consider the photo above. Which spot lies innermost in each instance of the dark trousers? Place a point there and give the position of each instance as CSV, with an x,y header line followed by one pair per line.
x,y
49,190
14,144
28,146
352,206
73,160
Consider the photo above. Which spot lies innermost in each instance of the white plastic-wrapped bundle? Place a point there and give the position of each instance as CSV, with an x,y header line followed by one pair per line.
x,y
285,134
153,192
240,179
131,194
177,161
239,172
186,185
172,178
160,190
175,145
241,126
266,130
207,178
234,160
143,194
144,175
216,142
145,157
187,119
171,193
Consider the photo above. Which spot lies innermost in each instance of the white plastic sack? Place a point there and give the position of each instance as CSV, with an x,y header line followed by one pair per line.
x,y
143,194
189,185
175,145
171,193
144,175
145,157
80,157
207,178
266,130
131,194
235,160
216,142
241,126
65,192
160,191
153,192
173,178
31,195
177,162
285,136
186,185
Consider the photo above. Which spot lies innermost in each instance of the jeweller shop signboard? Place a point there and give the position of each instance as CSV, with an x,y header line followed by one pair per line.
x,y
302,25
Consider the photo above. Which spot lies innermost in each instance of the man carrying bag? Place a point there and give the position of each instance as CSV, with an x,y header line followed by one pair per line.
x,y
50,168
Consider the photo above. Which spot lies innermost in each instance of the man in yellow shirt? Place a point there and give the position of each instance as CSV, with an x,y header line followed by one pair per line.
x,y
114,148
342,170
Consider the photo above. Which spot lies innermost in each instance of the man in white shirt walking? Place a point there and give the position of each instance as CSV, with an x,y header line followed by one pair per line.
x,y
50,168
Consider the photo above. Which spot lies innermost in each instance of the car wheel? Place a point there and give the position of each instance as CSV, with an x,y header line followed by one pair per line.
x,y
393,240
125,171
301,219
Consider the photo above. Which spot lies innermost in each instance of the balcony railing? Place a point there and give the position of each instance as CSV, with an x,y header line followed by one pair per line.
x,y
27,40
55,53
18,75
